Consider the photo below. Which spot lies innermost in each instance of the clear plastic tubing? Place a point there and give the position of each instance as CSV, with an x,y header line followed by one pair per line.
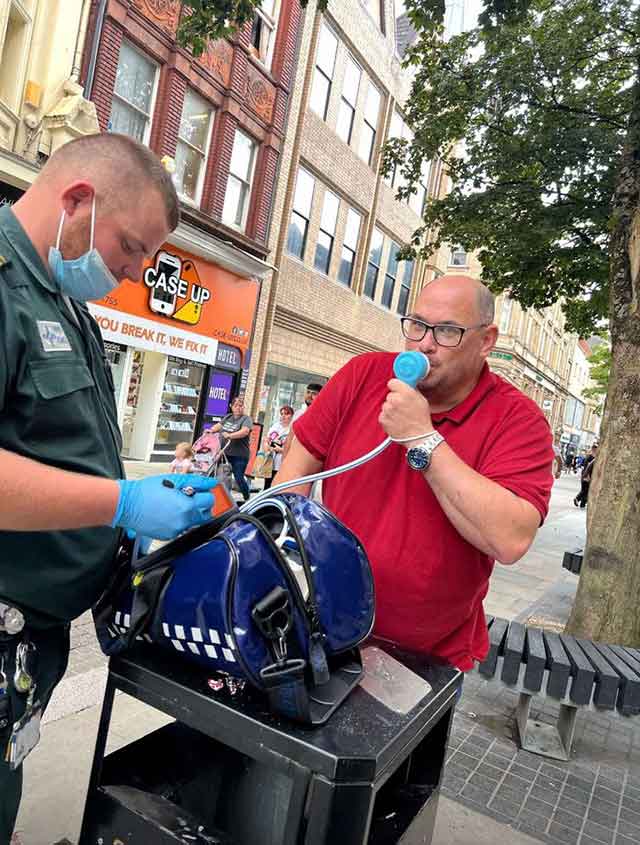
x,y
409,367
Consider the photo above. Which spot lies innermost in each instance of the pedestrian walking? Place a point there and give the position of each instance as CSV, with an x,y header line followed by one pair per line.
x,y
585,478
235,430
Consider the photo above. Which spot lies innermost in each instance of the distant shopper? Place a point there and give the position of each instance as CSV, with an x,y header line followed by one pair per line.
x,y
310,395
276,441
235,430
183,461
557,460
585,478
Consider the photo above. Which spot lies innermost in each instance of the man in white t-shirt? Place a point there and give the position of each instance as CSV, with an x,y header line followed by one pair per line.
x,y
310,394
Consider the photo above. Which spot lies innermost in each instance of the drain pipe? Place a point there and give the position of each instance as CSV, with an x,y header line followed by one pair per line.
x,y
97,32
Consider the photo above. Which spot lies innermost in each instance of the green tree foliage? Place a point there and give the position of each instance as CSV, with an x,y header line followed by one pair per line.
x,y
599,366
205,20
542,99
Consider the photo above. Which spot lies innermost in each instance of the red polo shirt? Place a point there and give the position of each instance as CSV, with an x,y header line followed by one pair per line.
x,y
430,582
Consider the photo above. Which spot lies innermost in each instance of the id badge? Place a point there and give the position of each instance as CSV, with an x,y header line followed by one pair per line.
x,y
24,737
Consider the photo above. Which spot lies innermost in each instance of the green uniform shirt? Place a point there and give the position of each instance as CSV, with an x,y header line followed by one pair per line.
x,y
57,407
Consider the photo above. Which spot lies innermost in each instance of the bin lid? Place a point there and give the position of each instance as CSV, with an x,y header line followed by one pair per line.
x,y
400,695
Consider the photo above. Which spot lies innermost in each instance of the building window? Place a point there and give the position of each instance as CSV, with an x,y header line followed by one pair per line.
x,y
263,31
300,214
323,75
405,287
390,276
14,38
398,129
347,110
373,265
193,145
327,233
134,94
376,10
458,257
505,315
236,200
349,247
416,201
370,127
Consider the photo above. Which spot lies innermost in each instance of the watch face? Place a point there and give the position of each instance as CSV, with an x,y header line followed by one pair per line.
x,y
419,458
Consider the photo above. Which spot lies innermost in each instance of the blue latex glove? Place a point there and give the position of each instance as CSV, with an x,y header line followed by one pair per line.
x,y
156,507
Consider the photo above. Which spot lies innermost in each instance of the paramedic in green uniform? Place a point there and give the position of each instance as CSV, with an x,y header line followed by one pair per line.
x,y
100,205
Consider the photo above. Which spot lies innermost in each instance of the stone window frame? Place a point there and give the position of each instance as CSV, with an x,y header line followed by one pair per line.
x,y
369,289
246,184
203,153
154,90
328,229
301,213
350,247
322,72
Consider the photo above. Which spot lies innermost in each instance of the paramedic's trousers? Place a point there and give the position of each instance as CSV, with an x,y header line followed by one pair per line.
x,y
47,665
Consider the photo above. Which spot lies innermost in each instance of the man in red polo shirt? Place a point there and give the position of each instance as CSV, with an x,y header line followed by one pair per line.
x,y
470,488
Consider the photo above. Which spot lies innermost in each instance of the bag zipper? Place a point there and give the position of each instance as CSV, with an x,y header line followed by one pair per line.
x,y
230,591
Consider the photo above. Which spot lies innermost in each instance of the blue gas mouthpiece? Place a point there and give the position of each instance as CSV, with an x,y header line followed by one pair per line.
x,y
411,367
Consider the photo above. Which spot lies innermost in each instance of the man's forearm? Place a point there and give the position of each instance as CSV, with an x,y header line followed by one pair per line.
x,y
36,497
296,464
490,517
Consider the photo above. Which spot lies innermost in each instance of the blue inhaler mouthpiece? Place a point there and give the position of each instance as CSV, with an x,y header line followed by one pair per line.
x,y
411,367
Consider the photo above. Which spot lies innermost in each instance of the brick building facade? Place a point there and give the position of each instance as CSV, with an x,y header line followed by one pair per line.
x,y
338,289
220,121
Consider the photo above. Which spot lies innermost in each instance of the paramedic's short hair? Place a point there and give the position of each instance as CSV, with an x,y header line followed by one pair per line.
x,y
121,164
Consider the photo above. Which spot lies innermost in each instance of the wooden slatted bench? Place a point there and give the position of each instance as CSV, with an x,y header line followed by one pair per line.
x,y
573,561
575,672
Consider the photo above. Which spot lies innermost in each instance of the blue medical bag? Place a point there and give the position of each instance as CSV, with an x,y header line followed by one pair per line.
x,y
279,597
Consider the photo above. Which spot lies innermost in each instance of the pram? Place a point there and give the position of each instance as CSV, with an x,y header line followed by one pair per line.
x,y
206,451
210,459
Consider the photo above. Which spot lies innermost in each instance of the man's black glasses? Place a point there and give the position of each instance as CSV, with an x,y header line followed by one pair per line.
x,y
444,334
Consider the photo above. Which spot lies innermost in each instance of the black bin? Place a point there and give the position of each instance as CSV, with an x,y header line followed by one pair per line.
x,y
228,772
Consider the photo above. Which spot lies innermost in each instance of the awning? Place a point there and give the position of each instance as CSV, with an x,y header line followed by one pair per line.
x,y
17,171
219,252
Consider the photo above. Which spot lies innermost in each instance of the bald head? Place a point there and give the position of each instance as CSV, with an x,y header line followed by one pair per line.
x,y
462,290
117,166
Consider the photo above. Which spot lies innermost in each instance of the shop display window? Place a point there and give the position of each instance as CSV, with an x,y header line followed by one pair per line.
x,y
179,406
133,394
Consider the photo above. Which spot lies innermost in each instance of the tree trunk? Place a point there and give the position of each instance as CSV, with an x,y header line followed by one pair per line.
x,y
607,605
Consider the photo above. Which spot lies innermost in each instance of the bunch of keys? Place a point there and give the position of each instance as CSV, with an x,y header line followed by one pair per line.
x,y
22,679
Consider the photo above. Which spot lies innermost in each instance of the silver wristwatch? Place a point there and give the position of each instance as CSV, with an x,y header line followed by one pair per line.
x,y
419,456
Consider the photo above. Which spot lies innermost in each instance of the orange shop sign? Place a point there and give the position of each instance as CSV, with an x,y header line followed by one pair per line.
x,y
182,306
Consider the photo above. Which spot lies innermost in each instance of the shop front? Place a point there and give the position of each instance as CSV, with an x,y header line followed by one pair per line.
x,y
178,339
283,386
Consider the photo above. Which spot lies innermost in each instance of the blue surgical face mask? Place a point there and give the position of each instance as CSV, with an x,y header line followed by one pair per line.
x,y
86,277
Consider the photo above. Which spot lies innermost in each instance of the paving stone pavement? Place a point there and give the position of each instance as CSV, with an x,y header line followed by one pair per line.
x,y
594,799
